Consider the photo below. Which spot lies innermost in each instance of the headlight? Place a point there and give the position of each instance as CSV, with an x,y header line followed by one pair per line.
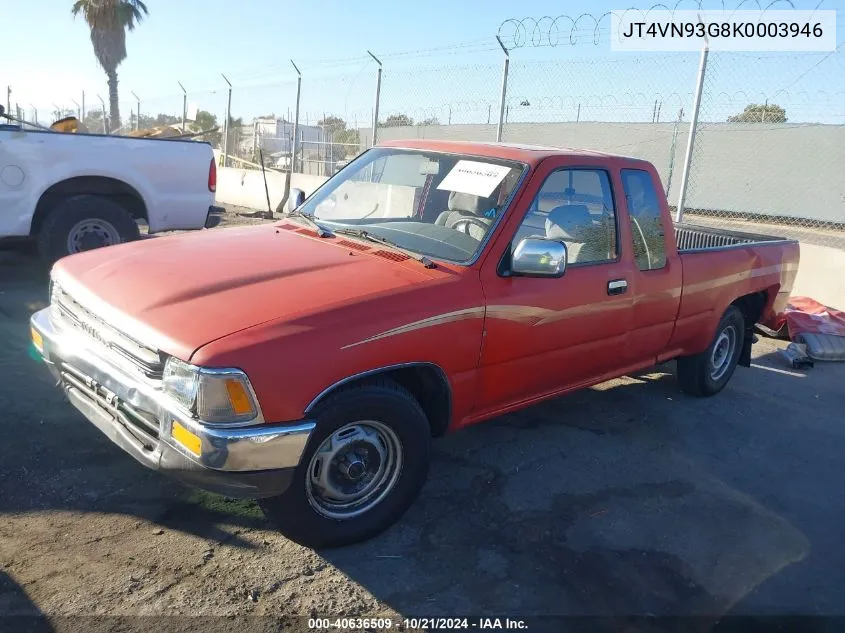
x,y
214,395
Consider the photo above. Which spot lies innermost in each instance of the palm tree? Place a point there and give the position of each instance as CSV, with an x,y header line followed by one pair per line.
x,y
109,20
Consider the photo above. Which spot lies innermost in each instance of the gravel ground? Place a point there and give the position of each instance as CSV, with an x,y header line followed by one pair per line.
x,y
627,498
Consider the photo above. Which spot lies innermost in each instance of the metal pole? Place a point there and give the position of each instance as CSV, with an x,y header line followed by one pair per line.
x,y
254,139
294,141
138,113
184,105
8,98
378,96
702,67
763,116
504,91
659,106
489,108
105,123
578,115
83,105
226,124
672,151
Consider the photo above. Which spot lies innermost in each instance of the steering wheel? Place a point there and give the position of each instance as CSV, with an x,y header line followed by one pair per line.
x,y
465,222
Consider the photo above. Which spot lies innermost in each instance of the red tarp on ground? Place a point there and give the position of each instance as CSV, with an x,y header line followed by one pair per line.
x,y
808,315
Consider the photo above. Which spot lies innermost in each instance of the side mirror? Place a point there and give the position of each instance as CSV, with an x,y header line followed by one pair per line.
x,y
295,199
538,257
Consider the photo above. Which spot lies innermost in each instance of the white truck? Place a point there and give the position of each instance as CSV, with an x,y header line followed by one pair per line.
x,y
75,192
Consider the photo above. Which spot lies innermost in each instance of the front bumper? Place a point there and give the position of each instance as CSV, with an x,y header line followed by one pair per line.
x,y
243,462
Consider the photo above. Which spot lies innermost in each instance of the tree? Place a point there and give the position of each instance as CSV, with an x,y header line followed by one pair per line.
x,y
332,124
206,121
94,121
397,120
429,121
146,122
760,113
167,119
341,135
109,20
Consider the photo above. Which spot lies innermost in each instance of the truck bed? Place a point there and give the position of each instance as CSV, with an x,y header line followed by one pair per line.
x,y
695,237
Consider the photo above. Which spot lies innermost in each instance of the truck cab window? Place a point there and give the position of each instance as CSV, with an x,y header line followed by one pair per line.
x,y
575,206
646,222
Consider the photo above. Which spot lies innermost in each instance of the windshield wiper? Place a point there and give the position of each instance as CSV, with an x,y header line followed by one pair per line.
x,y
322,231
386,242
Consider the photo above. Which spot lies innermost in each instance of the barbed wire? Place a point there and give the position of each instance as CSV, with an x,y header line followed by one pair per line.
x,y
548,30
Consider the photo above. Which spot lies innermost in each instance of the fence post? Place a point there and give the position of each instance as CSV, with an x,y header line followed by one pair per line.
x,y
504,90
378,96
699,88
105,122
294,142
138,115
672,151
184,105
226,124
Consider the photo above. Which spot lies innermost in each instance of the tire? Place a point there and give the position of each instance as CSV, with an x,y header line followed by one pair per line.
x,y
707,373
84,222
307,514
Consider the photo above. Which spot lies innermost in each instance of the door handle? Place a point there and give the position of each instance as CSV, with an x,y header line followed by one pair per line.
x,y
617,287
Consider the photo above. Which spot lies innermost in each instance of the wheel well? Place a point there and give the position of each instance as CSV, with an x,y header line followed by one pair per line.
x,y
425,381
751,307
117,190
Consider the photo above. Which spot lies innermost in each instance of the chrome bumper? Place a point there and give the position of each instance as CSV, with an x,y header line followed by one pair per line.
x,y
244,462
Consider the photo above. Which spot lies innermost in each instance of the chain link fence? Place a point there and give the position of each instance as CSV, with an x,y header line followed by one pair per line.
x,y
768,145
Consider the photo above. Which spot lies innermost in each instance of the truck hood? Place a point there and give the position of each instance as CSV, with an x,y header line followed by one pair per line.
x,y
178,293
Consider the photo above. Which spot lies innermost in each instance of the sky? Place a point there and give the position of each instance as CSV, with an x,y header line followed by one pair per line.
x,y
440,59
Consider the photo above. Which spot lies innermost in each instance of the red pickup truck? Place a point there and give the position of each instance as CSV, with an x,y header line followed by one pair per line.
x,y
425,287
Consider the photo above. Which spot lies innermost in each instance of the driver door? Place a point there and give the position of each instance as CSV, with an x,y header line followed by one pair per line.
x,y
547,335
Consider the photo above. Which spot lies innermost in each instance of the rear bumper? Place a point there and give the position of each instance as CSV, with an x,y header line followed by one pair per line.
x,y
244,462
212,218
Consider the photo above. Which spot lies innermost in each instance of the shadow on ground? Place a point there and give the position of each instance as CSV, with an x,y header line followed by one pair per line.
x,y
625,499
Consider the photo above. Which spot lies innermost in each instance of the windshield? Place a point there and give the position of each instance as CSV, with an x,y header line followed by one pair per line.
x,y
431,203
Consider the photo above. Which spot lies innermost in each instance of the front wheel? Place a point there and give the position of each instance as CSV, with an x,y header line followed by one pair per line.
x,y
707,373
364,465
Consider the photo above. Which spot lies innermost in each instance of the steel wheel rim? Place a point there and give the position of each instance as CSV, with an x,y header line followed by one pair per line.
x,y
723,352
91,233
353,470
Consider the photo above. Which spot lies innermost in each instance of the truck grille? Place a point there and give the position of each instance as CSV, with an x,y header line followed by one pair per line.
x,y
68,312
141,425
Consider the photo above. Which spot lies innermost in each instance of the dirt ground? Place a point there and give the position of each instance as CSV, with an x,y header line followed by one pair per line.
x,y
625,499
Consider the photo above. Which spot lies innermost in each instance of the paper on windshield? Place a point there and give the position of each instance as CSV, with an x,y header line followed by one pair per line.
x,y
474,178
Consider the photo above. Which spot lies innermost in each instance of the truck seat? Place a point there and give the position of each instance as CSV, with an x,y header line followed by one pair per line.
x,y
463,205
573,224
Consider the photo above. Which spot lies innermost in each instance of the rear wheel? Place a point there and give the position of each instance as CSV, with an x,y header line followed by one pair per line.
x,y
364,465
84,222
707,373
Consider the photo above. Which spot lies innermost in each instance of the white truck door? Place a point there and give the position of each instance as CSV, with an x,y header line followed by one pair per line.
x,y
15,182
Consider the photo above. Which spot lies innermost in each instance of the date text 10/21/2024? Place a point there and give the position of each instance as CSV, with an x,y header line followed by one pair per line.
x,y
386,624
